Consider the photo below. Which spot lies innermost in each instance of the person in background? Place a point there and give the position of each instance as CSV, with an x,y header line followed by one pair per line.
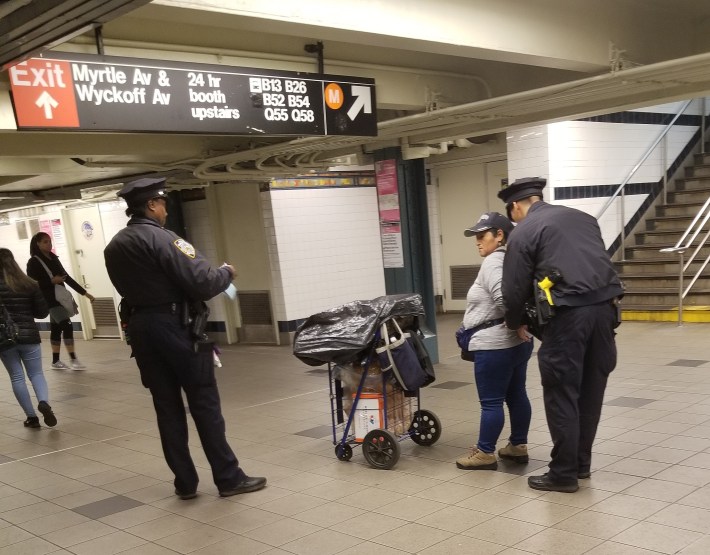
x,y
578,350
500,355
156,272
24,302
42,259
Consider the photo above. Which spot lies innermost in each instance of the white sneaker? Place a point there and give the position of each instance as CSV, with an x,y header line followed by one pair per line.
x,y
59,365
76,364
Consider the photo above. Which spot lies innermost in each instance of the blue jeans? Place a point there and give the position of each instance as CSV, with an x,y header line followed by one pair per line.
x,y
31,356
500,376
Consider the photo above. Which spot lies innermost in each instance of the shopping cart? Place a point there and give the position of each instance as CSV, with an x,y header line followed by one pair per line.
x,y
371,406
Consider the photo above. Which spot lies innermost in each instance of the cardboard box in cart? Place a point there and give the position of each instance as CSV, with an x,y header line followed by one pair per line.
x,y
369,415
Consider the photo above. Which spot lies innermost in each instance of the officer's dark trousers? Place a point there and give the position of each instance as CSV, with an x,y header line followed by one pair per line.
x,y
577,354
168,365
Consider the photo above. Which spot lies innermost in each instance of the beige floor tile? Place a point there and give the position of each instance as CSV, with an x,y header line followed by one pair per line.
x,y
541,512
699,547
412,538
410,508
448,492
663,455
10,535
504,531
493,502
598,525
682,516
133,517
558,542
32,546
329,514
368,525
614,548
637,467
35,511
281,532
685,475
234,545
323,542
629,506
55,521
371,549
195,538
117,542
162,527
454,519
79,533
611,481
463,544
657,538
661,490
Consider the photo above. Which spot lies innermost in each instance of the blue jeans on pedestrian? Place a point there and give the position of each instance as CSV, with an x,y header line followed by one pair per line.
x,y
31,357
500,377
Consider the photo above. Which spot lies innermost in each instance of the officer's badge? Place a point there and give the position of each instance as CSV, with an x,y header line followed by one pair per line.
x,y
185,248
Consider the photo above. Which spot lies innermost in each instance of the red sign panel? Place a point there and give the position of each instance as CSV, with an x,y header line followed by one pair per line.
x,y
43,92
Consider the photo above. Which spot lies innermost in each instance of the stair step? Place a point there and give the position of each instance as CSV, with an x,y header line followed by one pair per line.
x,y
652,252
661,238
689,209
690,195
698,170
688,183
675,223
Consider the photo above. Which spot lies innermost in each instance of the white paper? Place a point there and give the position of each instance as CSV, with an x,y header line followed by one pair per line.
x,y
231,291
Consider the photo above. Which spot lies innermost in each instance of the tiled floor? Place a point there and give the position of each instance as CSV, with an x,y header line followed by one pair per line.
x,y
97,483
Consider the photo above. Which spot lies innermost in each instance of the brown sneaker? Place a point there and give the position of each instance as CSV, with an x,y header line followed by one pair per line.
x,y
477,460
517,453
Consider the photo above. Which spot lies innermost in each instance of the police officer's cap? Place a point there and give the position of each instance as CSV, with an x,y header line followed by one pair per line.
x,y
142,190
522,188
490,220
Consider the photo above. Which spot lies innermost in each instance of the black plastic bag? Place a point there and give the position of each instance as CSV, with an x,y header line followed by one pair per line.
x,y
345,333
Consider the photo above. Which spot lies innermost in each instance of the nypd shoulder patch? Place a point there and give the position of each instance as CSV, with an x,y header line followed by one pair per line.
x,y
184,247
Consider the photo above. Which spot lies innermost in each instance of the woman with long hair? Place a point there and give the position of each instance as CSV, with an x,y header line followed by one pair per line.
x,y
24,302
41,264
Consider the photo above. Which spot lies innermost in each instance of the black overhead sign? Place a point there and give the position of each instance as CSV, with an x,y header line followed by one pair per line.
x,y
102,93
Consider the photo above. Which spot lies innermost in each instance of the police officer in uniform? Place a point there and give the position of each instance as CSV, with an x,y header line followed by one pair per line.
x,y
155,271
578,351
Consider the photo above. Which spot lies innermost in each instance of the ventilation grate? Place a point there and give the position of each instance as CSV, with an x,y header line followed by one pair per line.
x,y
255,308
105,317
462,277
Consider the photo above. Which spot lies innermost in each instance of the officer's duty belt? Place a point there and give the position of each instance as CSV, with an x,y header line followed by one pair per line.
x,y
165,308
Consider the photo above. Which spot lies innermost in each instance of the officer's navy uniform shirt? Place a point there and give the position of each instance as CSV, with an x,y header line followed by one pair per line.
x,y
151,266
555,237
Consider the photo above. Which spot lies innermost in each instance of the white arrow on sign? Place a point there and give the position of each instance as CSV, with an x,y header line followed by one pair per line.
x,y
362,102
46,101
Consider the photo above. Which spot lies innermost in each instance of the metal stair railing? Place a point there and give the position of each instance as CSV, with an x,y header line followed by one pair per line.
x,y
696,227
620,189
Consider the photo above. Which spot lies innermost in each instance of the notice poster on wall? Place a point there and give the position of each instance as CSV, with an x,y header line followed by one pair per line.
x,y
390,219
54,229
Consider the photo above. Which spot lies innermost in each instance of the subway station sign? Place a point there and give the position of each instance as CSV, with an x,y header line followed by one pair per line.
x,y
67,92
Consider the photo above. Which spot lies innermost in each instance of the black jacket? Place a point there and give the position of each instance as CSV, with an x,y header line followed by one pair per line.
x,y
37,272
149,265
23,309
555,237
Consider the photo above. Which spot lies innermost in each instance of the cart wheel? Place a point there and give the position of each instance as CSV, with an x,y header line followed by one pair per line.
x,y
344,452
426,428
381,449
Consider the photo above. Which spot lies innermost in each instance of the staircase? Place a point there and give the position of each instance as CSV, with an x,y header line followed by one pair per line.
x,y
650,276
